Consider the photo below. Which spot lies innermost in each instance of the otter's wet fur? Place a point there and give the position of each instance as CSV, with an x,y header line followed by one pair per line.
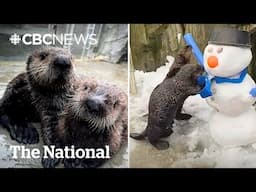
x,y
51,78
17,111
182,58
42,92
164,103
96,116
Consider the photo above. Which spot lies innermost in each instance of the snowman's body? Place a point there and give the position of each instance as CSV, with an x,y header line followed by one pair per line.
x,y
232,98
230,131
233,122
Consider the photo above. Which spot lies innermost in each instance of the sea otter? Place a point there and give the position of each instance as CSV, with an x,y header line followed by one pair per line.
x,y
95,116
181,59
42,92
165,101
51,77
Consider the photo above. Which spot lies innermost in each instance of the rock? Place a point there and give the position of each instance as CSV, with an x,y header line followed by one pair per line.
x,y
113,42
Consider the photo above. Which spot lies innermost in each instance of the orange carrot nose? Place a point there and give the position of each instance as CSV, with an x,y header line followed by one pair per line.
x,y
212,61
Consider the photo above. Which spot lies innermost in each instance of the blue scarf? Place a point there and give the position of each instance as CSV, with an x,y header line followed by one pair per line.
x,y
206,91
227,80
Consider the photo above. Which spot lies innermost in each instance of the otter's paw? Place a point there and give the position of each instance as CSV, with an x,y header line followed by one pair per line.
x,y
72,163
4,121
50,162
25,134
92,163
183,116
161,145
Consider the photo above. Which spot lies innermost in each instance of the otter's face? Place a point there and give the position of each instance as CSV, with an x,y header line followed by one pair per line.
x,y
189,74
184,54
102,106
50,65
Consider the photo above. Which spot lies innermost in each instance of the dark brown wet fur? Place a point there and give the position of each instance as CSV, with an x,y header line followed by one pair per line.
x,y
17,111
164,103
41,92
51,78
182,58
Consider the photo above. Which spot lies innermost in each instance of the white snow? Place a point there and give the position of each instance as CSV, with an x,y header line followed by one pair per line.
x,y
191,144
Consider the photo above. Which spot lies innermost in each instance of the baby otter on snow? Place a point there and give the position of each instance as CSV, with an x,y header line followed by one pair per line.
x,y
96,116
181,59
165,101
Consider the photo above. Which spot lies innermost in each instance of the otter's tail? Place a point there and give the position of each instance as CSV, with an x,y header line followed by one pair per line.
x,y
139,136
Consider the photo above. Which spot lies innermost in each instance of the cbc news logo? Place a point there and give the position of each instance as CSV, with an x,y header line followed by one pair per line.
x,y
66,39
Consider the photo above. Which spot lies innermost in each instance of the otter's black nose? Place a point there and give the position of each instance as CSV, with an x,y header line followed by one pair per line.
x,y
94,105
62,62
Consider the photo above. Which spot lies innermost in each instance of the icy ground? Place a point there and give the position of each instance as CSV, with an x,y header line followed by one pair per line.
x,y
100,70
191,145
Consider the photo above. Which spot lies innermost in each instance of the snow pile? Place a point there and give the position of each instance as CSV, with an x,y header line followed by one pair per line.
x,y
191,144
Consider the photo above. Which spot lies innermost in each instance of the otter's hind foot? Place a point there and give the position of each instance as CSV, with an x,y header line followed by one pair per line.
x,y
183,116
92,163
24,133
72,163
82,163
161,145
4,121
50,162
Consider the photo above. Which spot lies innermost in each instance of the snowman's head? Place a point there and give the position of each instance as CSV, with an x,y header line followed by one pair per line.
x,y
226,60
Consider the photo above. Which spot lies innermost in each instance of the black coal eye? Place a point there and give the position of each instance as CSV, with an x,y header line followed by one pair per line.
x,y
85,88
43,55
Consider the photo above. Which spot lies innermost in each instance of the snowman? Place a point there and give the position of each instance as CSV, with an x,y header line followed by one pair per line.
x,y
232,90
